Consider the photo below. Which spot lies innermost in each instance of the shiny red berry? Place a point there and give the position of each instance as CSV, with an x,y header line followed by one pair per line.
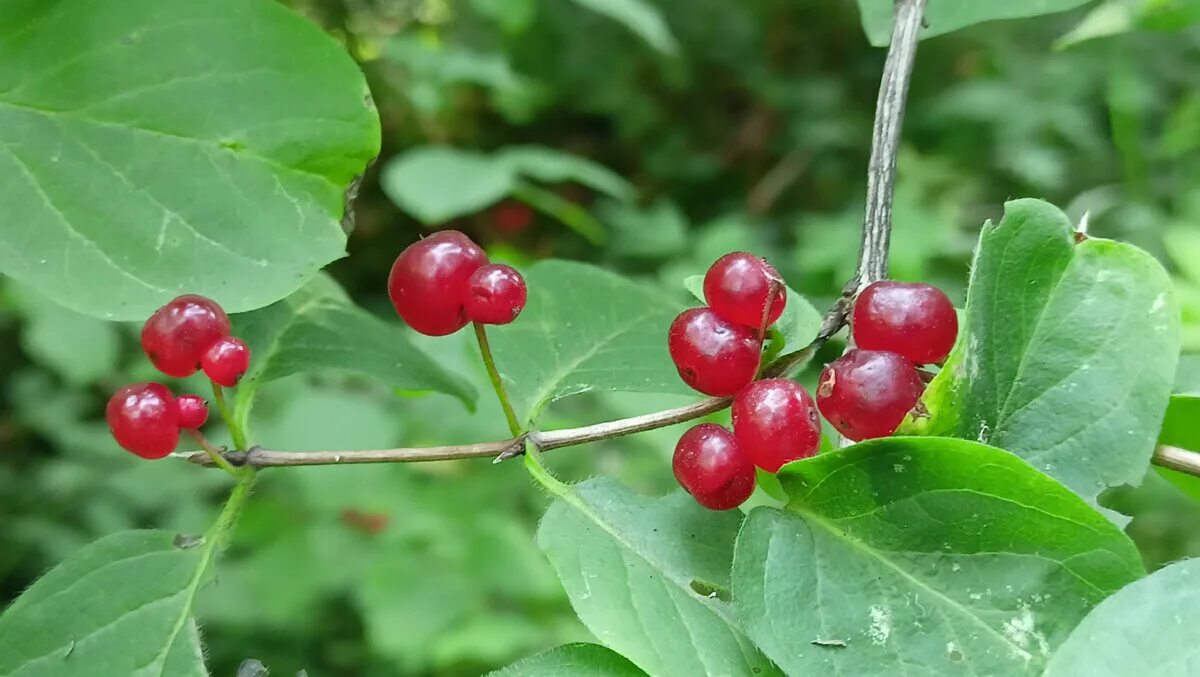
x,y
511,217
143,419
867,393
226,361
738,287
193,411
712,355
428,282
775,422
495,294
177,334
915,320
711,467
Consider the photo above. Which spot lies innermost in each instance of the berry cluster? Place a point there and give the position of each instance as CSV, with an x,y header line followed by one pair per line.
x,y
717,351
188,334
442,282
897,326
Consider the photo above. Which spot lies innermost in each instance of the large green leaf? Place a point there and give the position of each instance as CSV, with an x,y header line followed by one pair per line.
x,y
585,329
121,606
1179,427
572,660
318,327
1148,628
943,16
154,147
1069,351
650,577
640,17
933,555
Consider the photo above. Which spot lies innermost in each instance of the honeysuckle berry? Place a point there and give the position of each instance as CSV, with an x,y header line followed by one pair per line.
x,y
911,319
711,467
176,335
866,394
193,411
775,422
496,294
428,282
226,361
713,355
144,419
738,286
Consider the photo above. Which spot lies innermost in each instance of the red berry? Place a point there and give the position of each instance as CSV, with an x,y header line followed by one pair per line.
x,y
775,422
226,361
867,393
512,217
428,282
143,419
177,334
193,411
711,467
738,285
712,355
915,320
495,294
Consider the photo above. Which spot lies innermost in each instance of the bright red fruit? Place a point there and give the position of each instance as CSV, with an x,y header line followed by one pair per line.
x,y
193,411
915,320
511,217
226,361
496,294
428,282
177,334
711,467
143,419
713,355
775,421
738,286
867,393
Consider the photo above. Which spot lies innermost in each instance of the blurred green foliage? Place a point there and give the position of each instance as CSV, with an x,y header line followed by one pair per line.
x,y
735,125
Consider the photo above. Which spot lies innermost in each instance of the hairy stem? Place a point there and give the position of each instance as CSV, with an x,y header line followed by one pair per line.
x,y
235,429
485,349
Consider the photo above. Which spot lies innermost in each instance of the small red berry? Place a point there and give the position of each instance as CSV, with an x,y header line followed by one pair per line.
x,y
226,361
177,334
915,320
143,419
712,355
867,393
496,294
428,282
511,217
711,467
738,286
193,411
775,422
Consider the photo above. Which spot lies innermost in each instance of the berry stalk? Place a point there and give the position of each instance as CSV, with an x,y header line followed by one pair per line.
x,y
485,349
235,429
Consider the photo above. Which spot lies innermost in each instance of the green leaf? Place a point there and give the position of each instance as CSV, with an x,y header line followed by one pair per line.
x,y
1179,428
937,555
172,146
554,166
573,660
1187,375
120,606
1148,628
78,348
634,568
659,230
1068,353
799,322
436,184
585,329
944,16
640,17
319,328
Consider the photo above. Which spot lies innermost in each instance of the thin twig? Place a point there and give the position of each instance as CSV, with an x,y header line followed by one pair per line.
x,y
1177,459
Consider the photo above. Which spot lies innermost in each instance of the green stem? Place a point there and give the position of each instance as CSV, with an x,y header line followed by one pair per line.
x,y
214,453
235,428
568,213
232,510
533,463
485,349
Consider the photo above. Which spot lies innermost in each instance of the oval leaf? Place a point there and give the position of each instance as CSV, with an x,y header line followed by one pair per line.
x,y
575,660
436,184
1148,628
173,146
944,16
120,606
646,577
944,556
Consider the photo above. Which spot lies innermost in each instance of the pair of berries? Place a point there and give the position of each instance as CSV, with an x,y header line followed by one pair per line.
x,y
717,351
896,326
442,282
189,333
